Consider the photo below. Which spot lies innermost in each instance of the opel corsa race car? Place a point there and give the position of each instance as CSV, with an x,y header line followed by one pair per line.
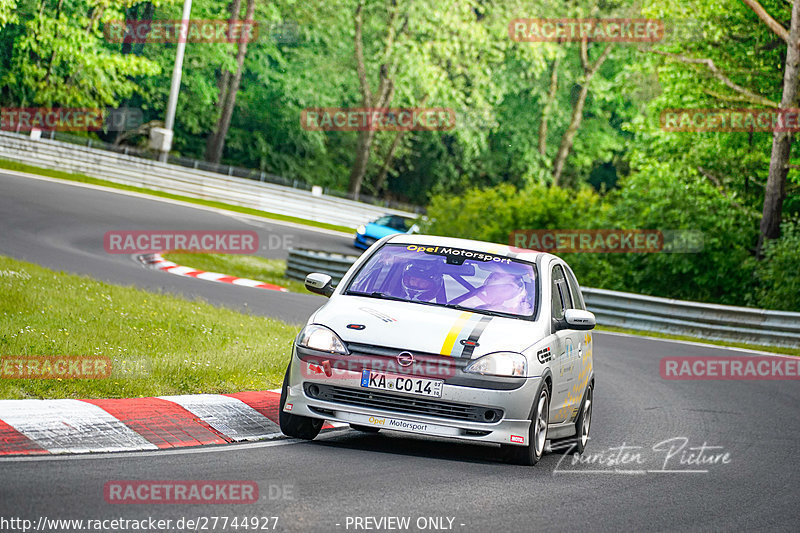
x,y
450,338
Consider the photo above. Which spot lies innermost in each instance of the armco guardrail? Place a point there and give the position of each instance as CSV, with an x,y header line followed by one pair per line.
x,y
195,183
302,262
708,321
631,311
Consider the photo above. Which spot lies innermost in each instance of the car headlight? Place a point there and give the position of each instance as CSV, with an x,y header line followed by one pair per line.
x,y
321,338
361,230
510,364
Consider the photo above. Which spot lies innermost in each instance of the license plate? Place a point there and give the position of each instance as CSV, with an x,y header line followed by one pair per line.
x,y
371,379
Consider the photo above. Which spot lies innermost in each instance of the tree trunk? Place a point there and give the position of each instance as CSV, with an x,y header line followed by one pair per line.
x,y
360,164
229,86
551,96
781,141
387,162
577,110
383,95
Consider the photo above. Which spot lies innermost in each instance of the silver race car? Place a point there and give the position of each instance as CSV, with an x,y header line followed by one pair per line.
x,y
447,337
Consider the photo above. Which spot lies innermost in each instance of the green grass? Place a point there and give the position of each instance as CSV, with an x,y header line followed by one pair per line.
x,y
82,178
242,266
772,349
158,343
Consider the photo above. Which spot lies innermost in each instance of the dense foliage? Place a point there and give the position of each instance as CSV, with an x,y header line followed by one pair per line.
x,y
529,115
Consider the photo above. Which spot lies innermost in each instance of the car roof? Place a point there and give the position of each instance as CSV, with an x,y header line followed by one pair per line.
x,y
478,246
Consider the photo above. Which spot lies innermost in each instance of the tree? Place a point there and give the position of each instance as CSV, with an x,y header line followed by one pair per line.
x,y
589,70
228,93
775,192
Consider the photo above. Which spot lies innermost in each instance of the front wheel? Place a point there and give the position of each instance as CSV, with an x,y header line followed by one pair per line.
x,y
537,434
299,427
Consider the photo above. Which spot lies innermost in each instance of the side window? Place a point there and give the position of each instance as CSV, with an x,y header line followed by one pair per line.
x,y
577,297
560,295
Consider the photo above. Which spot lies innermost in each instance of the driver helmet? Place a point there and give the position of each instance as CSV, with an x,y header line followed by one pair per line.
x,y
421,280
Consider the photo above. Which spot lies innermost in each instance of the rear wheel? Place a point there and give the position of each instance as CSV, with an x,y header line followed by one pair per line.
x,y
365,429
537,434
299,427
577,444
584,421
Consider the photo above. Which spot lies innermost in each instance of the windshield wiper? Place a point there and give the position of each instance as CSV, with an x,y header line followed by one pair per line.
x,y
375,294
460,307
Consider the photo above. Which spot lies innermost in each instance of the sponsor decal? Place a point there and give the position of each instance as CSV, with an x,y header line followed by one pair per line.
x,y
458,253
544,355
288,407
465,332
730,368
383,316
517,438
357,327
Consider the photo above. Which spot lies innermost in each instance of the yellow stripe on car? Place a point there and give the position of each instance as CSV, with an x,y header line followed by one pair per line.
x,y
450,340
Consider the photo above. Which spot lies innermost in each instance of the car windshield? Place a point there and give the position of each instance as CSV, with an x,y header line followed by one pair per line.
x,y
395,222
448,277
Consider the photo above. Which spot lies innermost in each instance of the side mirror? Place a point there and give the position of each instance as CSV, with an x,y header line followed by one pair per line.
x,y
578,319
319,283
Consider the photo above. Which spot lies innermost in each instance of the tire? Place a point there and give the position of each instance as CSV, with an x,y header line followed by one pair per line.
x,y
577,443
299,427
365,429
583,424
537,434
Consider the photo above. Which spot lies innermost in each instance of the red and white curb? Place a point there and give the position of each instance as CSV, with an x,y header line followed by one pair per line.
x,y
30,427
158,262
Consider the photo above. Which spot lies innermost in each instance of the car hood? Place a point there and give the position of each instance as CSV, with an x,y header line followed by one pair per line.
x,y
425,328
378,232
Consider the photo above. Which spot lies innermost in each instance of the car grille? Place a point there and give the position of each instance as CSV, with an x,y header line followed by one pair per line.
x,y
385,351
403,404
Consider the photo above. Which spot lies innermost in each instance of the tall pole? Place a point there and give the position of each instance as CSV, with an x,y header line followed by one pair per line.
x,y
175,88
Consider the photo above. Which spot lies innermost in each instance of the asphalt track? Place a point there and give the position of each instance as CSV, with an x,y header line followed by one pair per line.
x,y
345,474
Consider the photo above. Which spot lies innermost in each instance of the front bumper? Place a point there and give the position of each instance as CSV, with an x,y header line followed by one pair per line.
x,y
510,427
362,241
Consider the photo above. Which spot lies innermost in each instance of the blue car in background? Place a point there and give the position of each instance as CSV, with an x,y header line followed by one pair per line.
x,y
383,226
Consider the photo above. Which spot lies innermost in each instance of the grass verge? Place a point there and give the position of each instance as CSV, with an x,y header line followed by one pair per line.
x,y
158,344
727,344
82,178
242,266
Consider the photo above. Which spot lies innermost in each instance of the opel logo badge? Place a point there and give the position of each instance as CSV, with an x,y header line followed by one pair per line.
x,y
405,359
